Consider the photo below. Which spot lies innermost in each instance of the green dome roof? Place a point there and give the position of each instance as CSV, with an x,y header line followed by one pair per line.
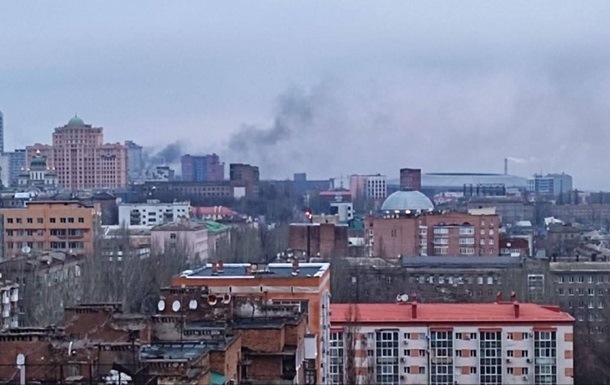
x,y
76,121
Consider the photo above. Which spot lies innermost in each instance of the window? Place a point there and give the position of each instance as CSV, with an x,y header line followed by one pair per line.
x,y
70,220
509,336
510,370
491,358
510,353
473,370
571,279
81,220
29,220
18,220
545,353
53,220
9,220
422,352
458,336
336,352
525,370
525,353
458,353
63,220
172,236
386,357
39,220
473,353
473,336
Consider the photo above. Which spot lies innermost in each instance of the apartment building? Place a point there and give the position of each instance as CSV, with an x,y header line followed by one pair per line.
x,y
245,180
319,239
506,342
81,158
152,213
50,225
368,186
305,285
410,231
9,295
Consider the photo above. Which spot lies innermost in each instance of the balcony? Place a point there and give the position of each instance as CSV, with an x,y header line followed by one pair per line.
x,y
545,361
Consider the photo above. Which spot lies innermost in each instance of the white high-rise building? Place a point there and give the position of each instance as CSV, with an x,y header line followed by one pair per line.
x,y
1,133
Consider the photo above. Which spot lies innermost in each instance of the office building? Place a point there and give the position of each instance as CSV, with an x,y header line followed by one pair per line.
x,y
552,185
50,225
506,342
202,168
81,158
305,285
152,213
372,187
135,161
12,164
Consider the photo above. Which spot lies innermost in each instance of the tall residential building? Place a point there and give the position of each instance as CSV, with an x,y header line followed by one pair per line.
x,y
202,168
50,225
305,285
12,164
506,342
135,161
81,158
550,184
1,133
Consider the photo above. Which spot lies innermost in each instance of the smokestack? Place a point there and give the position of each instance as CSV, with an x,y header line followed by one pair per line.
x,y
295,267
505,166
221,266
516,307
214,269
414,307
499,297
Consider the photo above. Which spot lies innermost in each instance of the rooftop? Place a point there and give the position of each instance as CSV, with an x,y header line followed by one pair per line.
x,y
375,313
579,267
183,225
243,270
172,351
443,262
409,200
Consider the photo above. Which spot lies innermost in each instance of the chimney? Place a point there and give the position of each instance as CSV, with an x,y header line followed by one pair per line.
x,y
516,307
414,307
513,297
295,267
499,297
214,269
221,266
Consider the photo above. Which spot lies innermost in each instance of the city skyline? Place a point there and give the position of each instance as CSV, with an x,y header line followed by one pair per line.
x,y
323,88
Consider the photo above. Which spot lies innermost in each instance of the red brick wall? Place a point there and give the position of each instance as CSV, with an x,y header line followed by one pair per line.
x,y
227,361
262,340
326,238
294,334
265,368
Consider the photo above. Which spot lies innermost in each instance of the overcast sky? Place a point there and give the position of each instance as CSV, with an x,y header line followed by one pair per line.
x,y
329,88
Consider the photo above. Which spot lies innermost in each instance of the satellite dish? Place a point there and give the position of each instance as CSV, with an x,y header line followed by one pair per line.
x,y
20,359
176,306
212,300
404,297
398,298
226,298
161,305
193,304
508,244
26,249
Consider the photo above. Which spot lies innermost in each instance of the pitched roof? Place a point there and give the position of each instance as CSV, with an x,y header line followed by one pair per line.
x,y
395,313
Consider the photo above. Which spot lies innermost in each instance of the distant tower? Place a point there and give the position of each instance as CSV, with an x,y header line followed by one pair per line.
x,y
1,133
505,166
410,179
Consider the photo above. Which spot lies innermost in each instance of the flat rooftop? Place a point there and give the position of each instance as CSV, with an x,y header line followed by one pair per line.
x,y
239,270
376,313
580,267
172,351
457,262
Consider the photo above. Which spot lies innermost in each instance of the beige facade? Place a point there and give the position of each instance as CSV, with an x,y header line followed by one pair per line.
x,y
81,158
50,225
184,235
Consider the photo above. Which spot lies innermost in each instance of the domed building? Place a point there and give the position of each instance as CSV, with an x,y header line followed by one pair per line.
x,y
407,200
38,174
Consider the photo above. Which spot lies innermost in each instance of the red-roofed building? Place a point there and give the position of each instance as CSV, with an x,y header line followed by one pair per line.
x,y
434,343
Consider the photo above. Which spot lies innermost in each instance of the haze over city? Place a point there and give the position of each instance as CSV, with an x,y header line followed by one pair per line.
x,y
324,88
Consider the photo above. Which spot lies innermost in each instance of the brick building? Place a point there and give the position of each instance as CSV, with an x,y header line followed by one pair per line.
x,y
451,233
319,239
199,168
306,286
410,179
423,343
81,158
50,225
246,177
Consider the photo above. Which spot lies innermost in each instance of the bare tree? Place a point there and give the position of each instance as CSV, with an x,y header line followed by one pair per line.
x,y
357,368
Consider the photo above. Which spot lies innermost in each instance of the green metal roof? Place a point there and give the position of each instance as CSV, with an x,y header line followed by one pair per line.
x,y
217,378
76,121
215,227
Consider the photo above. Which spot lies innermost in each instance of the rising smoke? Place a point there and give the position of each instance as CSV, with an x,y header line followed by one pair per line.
x,y
168,155
433,120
